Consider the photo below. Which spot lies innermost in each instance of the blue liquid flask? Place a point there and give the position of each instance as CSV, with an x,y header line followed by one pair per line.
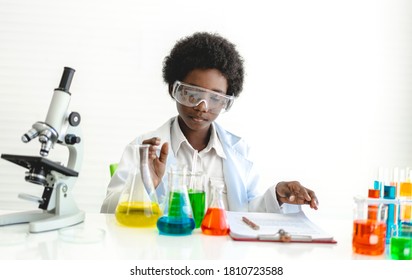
x,y
179,219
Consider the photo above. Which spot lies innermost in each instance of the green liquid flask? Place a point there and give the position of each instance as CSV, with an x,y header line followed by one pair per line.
x,y
138,205
179,219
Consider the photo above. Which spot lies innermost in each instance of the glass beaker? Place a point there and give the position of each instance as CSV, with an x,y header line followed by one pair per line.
x,y
197,196
138,205
179,218
401,242
369,228
215,221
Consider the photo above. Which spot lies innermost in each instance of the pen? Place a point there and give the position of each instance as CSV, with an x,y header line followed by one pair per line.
x,y
250,223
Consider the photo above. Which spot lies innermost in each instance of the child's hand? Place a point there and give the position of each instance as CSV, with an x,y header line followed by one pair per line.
x,y
294,193
157,164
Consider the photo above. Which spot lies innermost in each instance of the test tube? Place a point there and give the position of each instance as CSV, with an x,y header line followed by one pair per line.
x,y
405,192
390,193
377,184
373,193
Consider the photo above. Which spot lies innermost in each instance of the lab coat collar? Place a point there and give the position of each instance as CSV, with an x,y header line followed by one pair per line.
x,y
237,167
179,138
228,140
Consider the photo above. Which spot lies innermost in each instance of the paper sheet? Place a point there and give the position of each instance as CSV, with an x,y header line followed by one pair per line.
x,y
271,223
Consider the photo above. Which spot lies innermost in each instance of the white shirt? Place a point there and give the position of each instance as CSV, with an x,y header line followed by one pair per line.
x,y
209,160
241,176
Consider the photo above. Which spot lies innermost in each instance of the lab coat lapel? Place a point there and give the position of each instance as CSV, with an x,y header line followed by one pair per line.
x,y
236,168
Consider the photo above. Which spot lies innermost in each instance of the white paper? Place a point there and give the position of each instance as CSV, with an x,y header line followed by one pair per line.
x,y
295,224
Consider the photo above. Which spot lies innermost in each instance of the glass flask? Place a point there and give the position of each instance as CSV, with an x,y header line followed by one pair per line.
x,y
197,196
138,205
179,218
215,221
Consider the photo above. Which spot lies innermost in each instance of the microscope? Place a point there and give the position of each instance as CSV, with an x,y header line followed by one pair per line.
x,y
57,208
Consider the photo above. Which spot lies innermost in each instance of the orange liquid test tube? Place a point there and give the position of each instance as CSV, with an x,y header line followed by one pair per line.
x,y
372,193
405,192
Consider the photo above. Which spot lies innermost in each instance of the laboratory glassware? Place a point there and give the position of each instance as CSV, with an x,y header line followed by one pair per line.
x,y
138,204
401,242
215,221
369,228
373,193
405,193
197,196
179,218
390,194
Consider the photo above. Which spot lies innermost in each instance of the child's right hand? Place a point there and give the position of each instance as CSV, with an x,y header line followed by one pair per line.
x,y
157,164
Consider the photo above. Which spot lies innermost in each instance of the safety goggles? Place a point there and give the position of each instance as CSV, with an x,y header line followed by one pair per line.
x,y
192,96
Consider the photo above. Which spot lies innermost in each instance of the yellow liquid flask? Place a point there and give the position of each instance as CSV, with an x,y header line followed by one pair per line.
x,y
138,204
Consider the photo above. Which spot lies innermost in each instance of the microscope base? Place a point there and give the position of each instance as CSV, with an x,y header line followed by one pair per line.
x,y
40,221
57,222
23,217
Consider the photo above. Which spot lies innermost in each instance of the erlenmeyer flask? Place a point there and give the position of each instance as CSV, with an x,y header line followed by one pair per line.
x,y
179,219
138,205
215,221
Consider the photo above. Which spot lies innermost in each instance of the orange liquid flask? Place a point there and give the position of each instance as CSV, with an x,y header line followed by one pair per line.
x,y
215,221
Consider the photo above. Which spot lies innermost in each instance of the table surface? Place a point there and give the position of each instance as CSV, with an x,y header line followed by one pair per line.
x,y
123,243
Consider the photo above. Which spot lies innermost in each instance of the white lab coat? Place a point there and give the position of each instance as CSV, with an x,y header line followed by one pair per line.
x,y
240,174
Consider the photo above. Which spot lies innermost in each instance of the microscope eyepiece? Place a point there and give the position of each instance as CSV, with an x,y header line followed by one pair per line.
x,y
66,79
56,119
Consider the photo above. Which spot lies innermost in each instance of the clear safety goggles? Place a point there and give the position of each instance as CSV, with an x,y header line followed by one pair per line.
x,y
192,96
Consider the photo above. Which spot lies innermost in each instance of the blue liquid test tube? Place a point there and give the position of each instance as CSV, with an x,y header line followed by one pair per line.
x,y
390,193
378,183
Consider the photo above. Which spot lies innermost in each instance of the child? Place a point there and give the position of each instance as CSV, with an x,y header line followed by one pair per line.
x,y
205,73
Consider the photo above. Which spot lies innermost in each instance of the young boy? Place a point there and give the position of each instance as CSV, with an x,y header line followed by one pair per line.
x,y
205,73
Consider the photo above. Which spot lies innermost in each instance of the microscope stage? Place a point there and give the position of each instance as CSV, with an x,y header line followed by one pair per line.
x,y
36,161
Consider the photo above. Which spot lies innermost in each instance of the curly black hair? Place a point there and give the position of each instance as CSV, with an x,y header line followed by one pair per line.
x,y
204,50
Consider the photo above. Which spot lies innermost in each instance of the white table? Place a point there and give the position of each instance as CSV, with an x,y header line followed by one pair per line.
x,y
124,243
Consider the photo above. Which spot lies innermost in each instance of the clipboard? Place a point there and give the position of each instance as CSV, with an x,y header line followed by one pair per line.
x,y
275,227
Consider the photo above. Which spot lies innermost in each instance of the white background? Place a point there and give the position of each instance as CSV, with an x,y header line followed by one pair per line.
x,y
327,95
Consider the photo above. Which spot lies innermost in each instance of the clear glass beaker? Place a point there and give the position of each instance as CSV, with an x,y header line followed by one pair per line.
x,y
179,218
138,205
401,242
369,228
215,221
